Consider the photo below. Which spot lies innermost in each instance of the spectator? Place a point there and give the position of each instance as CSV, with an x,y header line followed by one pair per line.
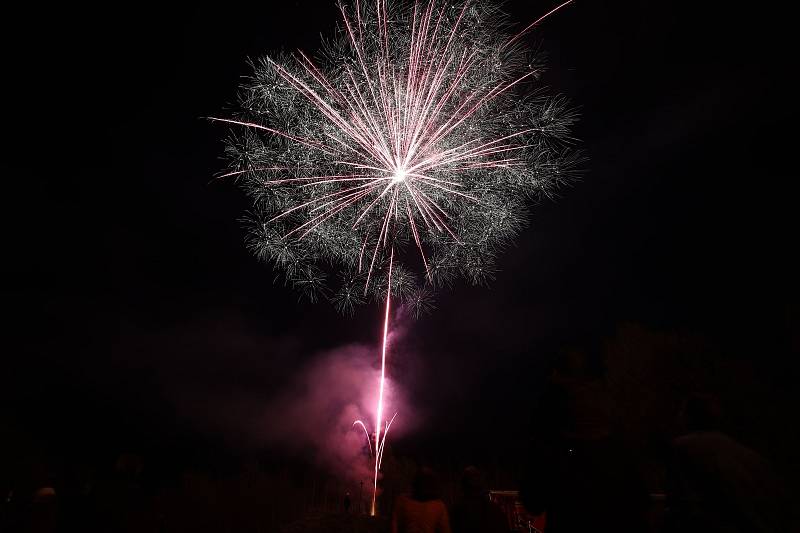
x,y
580,474
716,484
475,512
423,511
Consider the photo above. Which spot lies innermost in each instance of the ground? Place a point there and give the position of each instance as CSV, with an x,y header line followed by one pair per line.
x,y
339,523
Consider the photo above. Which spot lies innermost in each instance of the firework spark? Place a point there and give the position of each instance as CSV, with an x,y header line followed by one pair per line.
x,y
400,158
419,127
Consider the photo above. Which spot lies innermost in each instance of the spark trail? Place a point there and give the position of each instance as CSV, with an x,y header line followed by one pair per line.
x,y
379,443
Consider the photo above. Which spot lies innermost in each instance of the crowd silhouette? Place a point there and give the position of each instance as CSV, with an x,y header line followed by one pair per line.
x,y
578,474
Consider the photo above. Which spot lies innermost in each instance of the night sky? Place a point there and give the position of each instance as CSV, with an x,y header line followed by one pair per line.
x,y
137,317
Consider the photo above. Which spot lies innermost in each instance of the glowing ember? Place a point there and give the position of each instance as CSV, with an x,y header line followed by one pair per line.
x,y
399,174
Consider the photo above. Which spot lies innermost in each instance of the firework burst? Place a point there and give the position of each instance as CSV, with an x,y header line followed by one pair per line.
x,y
418,129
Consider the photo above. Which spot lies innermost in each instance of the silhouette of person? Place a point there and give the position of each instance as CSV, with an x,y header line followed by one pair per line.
x,y
579,474
475,512
36,502
346,503
123,503
716,484
423,511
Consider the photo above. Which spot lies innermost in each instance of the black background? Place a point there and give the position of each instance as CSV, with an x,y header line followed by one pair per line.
x,y
130,294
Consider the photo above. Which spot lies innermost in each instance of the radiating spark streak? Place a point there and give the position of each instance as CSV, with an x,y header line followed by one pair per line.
x,y
369,441
430,178
443,212
371,122
392,209
377,246
492,151
416,234
383,440
475,151
422,201
364,167
324,179
324,216
312,69
317,221
343,144
318,199
494,93
422,123
361,254
358,49
348,198
325,108
463,69
305,142
440,225
535,23
434,184
343,180
245,171
364,119
421,207
442,55
500,163
369,207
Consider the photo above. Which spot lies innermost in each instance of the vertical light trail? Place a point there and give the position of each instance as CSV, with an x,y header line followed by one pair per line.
x,y
379,416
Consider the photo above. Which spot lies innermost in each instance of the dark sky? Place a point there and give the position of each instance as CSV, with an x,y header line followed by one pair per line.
x,y
130,292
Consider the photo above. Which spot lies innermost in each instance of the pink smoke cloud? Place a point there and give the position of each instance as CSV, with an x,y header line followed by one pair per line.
x,y
317,409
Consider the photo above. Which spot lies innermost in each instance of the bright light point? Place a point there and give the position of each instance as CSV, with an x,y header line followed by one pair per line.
x,y
399,175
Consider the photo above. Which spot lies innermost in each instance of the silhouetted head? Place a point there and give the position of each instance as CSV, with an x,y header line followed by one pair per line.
x,y
580,358
579,351
701,412
129,466
425,486
472,483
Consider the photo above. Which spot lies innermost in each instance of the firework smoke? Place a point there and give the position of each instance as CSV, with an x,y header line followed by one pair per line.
x,y
314,412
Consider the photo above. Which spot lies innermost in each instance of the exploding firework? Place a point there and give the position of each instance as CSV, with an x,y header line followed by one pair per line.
x,y
418,128
399,159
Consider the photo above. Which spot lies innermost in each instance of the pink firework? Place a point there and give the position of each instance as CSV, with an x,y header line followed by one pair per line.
x,y
409,147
